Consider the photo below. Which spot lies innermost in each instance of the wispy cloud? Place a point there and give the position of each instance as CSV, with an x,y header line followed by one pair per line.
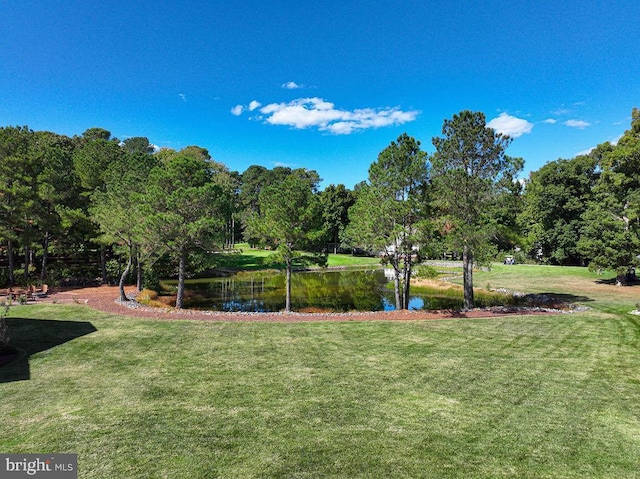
x,y
510,125
561,111
580,124
183,97
551,121
237,110
291,85
254,104
304,113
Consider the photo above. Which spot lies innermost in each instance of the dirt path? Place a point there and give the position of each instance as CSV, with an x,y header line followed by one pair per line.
x,y
103,298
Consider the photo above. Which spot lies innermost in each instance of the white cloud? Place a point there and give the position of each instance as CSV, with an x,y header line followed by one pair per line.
x,y
510,125
551,121
254,104
585,152
291,85
318,113
237,110
577,124
183,97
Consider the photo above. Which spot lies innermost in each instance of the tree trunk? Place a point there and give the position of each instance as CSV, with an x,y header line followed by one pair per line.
x,y
123,276
467,265
12,266
395,264
139,284
181,274
103,264
233,231
407,285
287,303
396,287
27,257
45,257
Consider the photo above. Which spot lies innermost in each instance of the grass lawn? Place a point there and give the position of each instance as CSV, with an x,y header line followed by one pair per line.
x,y
523,396
247,258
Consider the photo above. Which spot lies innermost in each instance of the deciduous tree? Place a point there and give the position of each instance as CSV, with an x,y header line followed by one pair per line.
x,y
555,199
611,232
336,201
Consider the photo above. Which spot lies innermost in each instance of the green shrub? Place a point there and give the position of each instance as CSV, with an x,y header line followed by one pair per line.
x,y
150,280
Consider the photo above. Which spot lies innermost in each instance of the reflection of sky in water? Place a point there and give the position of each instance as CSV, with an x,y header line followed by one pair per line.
x,y
352,290
415,302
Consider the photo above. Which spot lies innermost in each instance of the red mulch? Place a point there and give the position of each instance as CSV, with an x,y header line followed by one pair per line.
x,y
103,298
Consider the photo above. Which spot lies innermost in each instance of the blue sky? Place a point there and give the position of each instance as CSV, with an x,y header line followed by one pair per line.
x,y
324,85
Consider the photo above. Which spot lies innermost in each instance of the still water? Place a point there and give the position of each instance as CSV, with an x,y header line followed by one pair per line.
x,y
359,290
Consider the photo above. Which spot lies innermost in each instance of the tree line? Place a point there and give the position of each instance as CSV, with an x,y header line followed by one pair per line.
x,y
92,206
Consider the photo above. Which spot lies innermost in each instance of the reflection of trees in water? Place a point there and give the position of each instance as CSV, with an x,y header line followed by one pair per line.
x,y
335,290
313,290
368,291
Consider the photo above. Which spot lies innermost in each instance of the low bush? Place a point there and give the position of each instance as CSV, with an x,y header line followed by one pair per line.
x,y
146,295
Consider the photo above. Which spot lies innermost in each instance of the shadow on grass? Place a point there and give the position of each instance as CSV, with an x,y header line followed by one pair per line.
x,y
242,262
551,299
31,336
614,281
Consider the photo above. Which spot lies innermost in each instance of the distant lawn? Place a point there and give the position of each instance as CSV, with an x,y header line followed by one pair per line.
x,y
516,397
247,258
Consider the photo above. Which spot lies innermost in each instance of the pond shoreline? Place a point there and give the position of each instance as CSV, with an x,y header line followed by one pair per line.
x,y
105,298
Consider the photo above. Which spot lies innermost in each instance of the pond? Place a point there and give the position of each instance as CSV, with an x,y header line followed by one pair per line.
x,y
345,290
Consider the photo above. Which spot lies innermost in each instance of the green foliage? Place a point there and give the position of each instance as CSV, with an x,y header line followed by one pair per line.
x,y
63,196
116,207
184,208
611,233
470,171
390,211
150,279
290,220
137,144
92,161
336,201
556,198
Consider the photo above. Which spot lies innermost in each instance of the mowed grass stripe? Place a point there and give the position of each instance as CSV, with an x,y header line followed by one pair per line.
x,y
529,396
